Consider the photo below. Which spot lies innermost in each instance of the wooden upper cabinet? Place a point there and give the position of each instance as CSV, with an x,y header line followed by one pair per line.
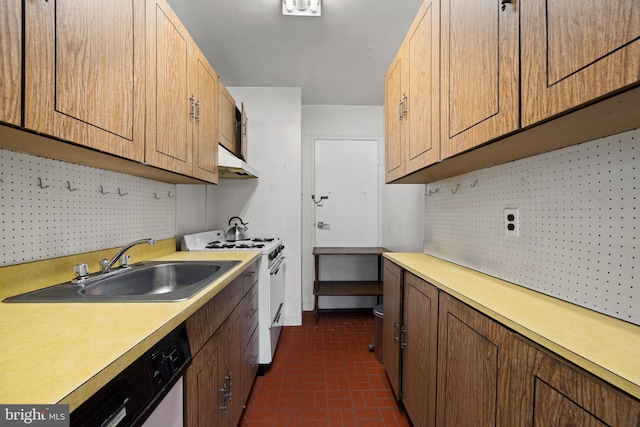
x,y
171,96
11,66
243,133
393,120
84,73
423,94
412,97
480,73
205,142
576,52
227,120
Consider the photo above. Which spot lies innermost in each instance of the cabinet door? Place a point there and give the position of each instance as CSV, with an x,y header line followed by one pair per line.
x,y
556,393
480,73
227,120
393,120
422,104
392,290
84,73
576,52
419,344
473,367
11,66
236,364
205,150
170,92
244,122
206,384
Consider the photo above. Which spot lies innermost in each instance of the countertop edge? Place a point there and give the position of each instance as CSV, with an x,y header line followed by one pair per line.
x,y
443,278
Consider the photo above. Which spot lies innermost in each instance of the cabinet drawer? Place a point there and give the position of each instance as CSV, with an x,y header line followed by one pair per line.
x,y
250,277
206,321
250,311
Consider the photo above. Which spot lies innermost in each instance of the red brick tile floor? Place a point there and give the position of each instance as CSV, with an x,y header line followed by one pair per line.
x,y
325,376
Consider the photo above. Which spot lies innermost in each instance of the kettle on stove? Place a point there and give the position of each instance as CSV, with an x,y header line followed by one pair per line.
x,y
237,231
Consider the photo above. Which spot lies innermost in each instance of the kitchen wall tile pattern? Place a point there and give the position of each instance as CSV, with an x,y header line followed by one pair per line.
x,y
579,236
42,223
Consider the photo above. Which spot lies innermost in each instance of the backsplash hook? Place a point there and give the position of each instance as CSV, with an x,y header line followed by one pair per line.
x,y
120,193
155,196
432,191
456,190
102,190
474,184
170,196
41,185
69,187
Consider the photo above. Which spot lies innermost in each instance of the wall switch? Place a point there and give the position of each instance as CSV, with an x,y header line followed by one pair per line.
x,y
511,222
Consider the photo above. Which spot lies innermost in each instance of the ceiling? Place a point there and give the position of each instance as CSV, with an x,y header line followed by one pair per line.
x,y
339,58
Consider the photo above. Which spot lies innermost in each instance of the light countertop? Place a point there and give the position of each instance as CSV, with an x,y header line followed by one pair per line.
x,y
64,353
607,347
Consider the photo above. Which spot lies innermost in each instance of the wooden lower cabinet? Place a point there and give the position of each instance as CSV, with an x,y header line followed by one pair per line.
x,y
419,346
392,290
473,367
219,379
486,374
206,385
554,392
410,329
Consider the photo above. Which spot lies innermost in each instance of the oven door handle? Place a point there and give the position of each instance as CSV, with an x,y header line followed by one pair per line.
x,y
273,270
276,318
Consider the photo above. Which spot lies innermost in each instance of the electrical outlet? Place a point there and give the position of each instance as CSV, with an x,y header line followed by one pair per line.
x,y
512,222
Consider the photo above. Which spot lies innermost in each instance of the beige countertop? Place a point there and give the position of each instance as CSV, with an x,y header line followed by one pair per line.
x,y
64,353
607,347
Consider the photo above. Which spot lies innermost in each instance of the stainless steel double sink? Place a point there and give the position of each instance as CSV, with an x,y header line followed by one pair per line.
x,y
148,281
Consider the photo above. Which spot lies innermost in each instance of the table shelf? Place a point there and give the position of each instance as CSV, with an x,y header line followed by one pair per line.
x,y
346,287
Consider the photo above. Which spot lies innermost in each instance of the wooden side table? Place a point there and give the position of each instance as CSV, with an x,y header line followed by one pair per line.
x,y
346,287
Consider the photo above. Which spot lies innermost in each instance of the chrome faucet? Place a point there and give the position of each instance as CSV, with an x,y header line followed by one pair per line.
x,y
106,264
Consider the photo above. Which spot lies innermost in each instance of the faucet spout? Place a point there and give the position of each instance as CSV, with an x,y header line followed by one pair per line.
x,y
107,264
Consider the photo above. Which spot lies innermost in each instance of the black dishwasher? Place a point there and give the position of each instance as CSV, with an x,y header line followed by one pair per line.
x,y
128,399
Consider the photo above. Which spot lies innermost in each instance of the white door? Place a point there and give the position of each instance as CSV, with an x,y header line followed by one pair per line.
x,y
346,192
346,212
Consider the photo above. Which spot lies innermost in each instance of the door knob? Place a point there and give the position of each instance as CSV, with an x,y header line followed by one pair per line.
x,y
322,225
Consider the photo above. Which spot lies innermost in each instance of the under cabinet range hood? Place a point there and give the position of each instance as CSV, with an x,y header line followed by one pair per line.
x,y
231,167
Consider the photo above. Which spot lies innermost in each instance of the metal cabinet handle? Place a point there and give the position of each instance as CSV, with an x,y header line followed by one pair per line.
x,y
400,109
404,105
223,390
403,341
198,110
504,4
395,331
192,113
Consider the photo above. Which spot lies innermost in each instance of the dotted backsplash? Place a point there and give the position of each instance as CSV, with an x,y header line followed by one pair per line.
x,y
52,208
578,216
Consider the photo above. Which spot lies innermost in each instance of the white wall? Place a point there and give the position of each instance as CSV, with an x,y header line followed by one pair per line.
x,y
401,207
578,223
271,204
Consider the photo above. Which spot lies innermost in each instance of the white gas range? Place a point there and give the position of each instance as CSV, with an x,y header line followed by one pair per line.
x,y
270,285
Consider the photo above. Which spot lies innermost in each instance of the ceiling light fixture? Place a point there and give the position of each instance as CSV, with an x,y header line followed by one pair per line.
x,y
299,7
